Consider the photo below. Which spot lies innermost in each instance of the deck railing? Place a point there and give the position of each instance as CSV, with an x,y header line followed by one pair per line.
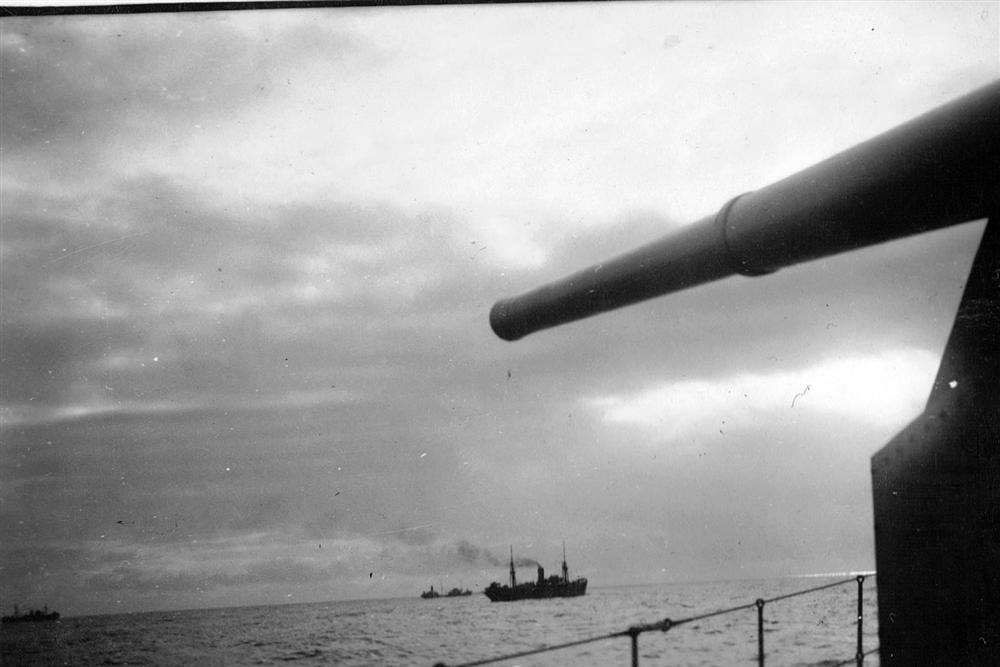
x,y
667,624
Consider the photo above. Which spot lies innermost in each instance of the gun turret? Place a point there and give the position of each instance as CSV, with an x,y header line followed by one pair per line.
x,y
937,476
939,169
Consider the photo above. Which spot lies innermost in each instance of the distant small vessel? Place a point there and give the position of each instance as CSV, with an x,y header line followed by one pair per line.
x,y
553,587
453,593
32,616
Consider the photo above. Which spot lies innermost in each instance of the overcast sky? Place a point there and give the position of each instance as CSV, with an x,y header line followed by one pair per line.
x,y
248,258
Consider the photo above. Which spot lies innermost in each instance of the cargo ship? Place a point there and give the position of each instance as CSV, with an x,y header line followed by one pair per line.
x,y
33,616
553,587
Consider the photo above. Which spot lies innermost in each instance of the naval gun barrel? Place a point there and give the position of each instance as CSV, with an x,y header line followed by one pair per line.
x,y
939,169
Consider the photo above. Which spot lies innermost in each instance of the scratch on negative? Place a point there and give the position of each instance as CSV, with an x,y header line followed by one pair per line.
x,y
91,247
801,393
403,530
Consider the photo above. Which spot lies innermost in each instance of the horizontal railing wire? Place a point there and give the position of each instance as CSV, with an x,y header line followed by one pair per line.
x,y
667,624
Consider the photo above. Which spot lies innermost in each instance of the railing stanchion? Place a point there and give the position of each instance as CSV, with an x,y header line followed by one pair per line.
x,y
760,632
860,655
667,624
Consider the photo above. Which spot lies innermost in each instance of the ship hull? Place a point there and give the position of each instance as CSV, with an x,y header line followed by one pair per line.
x,y
534,591
31,618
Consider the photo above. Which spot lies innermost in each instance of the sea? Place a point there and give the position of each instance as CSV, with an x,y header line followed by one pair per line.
x,y
819,629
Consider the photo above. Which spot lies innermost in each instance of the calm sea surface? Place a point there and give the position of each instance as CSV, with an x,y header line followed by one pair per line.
x,y
817,629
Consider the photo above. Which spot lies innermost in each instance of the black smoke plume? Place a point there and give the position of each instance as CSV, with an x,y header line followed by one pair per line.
x,y
474,555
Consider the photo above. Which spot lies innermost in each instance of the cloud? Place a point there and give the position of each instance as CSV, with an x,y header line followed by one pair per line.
x,y
238,565
245,567
119,76
884,390
170,301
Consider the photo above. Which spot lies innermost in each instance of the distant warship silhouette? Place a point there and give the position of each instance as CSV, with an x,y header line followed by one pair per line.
x,y
453,593
32,616
553,587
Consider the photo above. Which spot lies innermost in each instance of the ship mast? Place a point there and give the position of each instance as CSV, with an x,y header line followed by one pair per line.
x,y
513,577
564,568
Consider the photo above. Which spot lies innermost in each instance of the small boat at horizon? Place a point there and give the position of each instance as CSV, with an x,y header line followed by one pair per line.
x,y
453,593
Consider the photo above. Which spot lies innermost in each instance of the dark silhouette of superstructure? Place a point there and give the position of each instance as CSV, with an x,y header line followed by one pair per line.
x,y
936,485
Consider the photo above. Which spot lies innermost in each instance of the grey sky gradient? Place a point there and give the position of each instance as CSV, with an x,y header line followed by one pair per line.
x,y
247,261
